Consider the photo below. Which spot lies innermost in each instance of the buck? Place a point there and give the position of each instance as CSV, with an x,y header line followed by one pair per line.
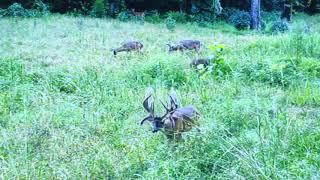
x,y
185,45
128,46
175,121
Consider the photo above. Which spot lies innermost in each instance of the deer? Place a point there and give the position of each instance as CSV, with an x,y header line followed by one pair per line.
x,y
138,14
128,46
175,121
185,45
202,61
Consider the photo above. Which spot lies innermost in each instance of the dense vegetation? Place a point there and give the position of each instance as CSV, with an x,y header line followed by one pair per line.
x,y
70,109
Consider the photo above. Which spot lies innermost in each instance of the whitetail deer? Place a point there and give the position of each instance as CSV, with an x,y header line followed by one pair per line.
x,y
175,121
202,61
185,44
138,14
128,46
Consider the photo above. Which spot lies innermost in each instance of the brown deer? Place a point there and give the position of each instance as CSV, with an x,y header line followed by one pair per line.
x,y
185,45
129,46
202,61
138,14
175,121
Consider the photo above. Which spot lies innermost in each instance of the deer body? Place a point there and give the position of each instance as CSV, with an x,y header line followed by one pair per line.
x,y
174,122
185,45
205,62
138,14
129,46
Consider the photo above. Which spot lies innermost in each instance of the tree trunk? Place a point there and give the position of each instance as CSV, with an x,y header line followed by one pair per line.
x,y
255,14
287,12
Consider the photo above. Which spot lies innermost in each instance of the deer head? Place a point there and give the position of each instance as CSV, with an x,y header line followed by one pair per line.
x,y
175,119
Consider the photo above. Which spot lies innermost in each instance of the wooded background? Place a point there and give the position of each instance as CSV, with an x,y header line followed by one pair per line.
x,y
63,6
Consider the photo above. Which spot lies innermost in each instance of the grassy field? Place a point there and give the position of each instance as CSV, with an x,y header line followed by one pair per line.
x,y
69,109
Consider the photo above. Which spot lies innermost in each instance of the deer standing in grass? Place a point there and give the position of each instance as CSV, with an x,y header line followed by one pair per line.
x,y
185,45
129,46
175,121
138,14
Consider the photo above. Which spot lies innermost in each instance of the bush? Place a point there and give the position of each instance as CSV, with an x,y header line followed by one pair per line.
x,y
153,17
177,16
98,9
203,18
41,8
16,10
227,13
280,26
124,16
240,20
170,23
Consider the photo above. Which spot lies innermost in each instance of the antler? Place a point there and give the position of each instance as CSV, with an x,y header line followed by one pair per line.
x,y
148,105
173,101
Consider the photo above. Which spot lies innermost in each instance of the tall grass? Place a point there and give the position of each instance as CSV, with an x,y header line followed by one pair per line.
x,y
69,109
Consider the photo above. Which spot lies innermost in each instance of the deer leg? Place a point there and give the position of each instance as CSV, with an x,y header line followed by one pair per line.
x,y
177,137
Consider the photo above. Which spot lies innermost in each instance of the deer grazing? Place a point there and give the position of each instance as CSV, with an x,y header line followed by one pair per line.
x,y
202,61
129,46
185,45
175,121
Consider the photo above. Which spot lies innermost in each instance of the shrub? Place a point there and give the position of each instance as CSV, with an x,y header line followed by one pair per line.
x,y
218,66
124,16
177,16
98,9
203,18
153,17
227,13
170,23
240,20
280,26
41,8
16,10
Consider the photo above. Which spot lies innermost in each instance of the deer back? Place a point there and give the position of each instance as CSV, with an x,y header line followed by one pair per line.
x,y
191,44
180,120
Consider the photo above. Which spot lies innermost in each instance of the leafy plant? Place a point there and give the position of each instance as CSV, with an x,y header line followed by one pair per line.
x,y
240,20
98,8
177,16
170,23
153,17
280,26
124,16
218,66
16,10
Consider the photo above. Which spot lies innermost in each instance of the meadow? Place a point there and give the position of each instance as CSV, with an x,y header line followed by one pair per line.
x,y
69,109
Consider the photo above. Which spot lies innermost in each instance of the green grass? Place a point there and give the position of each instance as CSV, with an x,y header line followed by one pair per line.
x,y
69,109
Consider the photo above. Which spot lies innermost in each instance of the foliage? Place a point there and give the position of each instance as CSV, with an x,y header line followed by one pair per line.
x,y
218,66
177,16
240,20
280,26
153,17
99,8
17,10
170,23
124,16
